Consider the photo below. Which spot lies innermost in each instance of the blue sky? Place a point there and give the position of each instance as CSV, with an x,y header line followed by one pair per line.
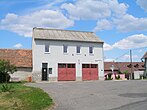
x,y
121,24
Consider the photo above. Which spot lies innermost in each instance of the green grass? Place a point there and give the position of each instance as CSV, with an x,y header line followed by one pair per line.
x,y
24,98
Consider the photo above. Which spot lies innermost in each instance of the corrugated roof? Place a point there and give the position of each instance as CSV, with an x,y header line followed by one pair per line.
x,y
69,35
20,57
122,66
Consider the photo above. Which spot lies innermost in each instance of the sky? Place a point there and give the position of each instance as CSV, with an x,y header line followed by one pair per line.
x,y
121,24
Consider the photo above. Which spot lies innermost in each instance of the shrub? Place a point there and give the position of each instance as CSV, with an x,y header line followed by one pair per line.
x,y
5,69
117,77
141,76
108,76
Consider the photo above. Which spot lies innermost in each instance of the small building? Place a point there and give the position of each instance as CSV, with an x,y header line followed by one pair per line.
x,y
22,59
145,58
65,55
125,67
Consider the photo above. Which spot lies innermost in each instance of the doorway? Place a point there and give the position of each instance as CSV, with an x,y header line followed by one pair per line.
x,y
44,72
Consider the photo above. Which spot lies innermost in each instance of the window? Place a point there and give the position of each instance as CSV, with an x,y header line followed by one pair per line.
x,y
47,48
65,48
61,65
70,65
91,50
93,65
78,49
85,66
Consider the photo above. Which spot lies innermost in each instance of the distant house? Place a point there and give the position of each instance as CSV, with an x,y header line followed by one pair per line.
x,y
22,59
65,55
145,58
124,67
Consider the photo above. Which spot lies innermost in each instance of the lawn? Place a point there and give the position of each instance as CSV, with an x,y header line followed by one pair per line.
x,y
24,98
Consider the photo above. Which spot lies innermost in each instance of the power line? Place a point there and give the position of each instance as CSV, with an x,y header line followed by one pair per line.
x,y
128,52
139,48
121,55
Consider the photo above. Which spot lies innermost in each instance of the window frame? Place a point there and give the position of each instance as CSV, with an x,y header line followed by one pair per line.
x,y
65,52
91,47
48,46
77,49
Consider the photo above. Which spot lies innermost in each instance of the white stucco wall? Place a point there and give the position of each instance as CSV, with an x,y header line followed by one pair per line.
x,y
56,56
137,74
22,74
146,65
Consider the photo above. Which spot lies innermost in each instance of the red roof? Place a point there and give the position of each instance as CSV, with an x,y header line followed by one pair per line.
x,y
123,66
18,57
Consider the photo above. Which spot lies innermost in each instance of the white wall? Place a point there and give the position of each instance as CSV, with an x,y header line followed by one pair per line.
x,y
146,65
56,56
22,74
137,74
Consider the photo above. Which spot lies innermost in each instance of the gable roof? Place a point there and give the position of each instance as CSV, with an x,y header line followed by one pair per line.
x,y
145,55
20,57
64,35
123,66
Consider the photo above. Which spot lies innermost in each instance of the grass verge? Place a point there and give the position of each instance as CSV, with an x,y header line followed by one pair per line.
x,y
24,98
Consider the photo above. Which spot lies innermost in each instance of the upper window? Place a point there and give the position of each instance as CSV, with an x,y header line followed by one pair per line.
x,y
78,49
91,50
46,48
65,48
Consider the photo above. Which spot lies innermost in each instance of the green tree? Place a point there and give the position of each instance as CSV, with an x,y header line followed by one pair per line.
x,y
126,72
5,70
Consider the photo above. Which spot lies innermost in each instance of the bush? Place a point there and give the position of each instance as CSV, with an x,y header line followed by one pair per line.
x,y
108,76
5,69
117,77
4,78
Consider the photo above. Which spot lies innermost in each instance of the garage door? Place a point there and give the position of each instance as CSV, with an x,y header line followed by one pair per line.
x,y
89,72
66,72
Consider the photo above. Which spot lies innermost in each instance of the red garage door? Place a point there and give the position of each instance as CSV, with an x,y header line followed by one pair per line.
x,y
66,72
89,72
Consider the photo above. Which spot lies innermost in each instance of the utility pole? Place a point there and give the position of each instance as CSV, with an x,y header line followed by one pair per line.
x,y
131,65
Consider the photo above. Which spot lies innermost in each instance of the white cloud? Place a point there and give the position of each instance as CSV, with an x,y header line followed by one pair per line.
x,y
94,9
108,13
142,4
23,25
109,60
87,9
103,25
134,41
130,42
18,45
107,47
129,23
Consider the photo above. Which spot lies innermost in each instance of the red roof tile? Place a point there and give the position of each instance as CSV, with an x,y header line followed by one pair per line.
x,y
123,66
19,57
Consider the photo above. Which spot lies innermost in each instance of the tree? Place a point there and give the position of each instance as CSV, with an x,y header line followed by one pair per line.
x,y
5,70
126,72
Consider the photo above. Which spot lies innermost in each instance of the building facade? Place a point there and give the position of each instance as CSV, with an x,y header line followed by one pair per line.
x,y
145,60
22,59
124,69
62,55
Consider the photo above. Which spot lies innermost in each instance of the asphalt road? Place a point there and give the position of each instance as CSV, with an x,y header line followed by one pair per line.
x,y
97,95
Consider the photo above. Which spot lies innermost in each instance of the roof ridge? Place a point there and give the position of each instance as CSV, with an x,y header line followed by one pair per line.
x,y
13,49
61,30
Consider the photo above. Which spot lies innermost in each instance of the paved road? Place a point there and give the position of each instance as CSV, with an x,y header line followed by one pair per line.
x,y
97,95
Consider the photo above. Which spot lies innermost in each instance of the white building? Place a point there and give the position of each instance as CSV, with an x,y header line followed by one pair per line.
x,y
64,55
